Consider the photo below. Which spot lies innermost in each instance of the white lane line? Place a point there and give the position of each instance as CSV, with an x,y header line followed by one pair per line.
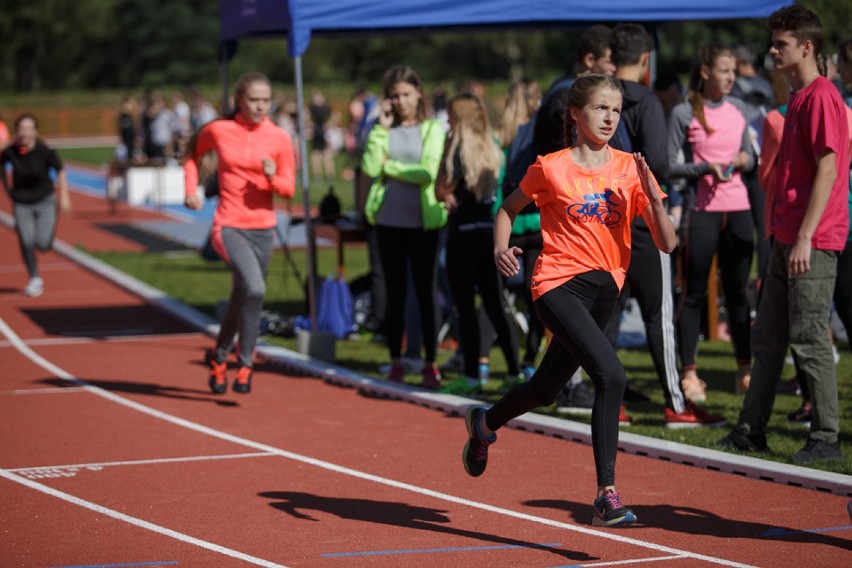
x,y
138,522
631,561
156,461
56,390
60,373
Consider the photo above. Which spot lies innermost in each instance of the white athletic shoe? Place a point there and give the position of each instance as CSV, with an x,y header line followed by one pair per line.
x,y
35,287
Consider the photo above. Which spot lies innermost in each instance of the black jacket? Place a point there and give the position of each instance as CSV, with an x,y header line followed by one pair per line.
x,y
642,114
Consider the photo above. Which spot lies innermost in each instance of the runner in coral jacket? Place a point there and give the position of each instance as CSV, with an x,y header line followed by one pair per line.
x,y
255,161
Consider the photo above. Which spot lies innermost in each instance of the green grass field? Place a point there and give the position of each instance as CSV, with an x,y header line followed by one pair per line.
x,y
92,156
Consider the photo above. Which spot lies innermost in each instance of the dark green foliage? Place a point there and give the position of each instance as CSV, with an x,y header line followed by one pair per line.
x,y
60,44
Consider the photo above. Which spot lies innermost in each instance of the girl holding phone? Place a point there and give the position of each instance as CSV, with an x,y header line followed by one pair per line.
x,y
402,156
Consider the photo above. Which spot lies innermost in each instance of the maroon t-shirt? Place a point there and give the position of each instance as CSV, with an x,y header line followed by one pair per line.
x,y
815,124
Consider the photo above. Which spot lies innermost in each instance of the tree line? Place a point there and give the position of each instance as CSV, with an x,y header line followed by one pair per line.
x,y
92,44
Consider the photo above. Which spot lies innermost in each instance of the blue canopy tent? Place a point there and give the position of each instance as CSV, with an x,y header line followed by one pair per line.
x,y
300,19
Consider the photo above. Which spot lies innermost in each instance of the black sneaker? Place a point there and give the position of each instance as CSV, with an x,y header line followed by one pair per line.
x,y
741,439
802,416
575,399
475,456
609,512
817,450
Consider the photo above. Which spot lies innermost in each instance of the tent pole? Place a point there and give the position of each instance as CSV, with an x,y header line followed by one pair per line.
x,y
303,151
223,75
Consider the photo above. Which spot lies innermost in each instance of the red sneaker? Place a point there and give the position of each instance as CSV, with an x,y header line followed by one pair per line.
x,y
396,374
431,377
624,419
693,417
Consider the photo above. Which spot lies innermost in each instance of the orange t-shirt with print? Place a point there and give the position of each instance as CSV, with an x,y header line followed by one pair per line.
x,y
585,216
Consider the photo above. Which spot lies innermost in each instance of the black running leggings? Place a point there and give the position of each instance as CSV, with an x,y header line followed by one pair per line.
x,y
731,235
398,247
576,313
531,244
471,269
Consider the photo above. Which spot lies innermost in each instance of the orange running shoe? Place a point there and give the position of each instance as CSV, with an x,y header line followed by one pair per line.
x,y
217,379
242,384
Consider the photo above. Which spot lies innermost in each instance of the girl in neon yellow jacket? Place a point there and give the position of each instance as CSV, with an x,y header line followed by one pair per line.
x,y
403,154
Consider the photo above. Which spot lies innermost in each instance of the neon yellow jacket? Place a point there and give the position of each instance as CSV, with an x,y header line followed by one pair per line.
x,y
377,165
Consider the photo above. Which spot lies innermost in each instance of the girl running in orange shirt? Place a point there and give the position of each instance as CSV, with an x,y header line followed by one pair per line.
x,y
588,195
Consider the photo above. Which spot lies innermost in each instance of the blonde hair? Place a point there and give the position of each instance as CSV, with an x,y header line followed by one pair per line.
x,y
707,56
522,101
472,137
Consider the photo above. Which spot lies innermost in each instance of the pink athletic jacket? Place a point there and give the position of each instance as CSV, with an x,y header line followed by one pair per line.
x,y
245,193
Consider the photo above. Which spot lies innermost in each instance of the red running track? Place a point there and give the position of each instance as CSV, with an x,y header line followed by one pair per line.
x,y
115,454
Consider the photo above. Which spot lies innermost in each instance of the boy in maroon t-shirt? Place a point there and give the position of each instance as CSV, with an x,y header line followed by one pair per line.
x,y
809,223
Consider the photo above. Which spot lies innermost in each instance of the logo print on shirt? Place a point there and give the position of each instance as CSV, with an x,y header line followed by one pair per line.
x,y
598,208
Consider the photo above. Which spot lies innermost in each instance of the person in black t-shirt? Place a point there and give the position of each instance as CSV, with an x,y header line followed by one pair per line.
x,y
33,195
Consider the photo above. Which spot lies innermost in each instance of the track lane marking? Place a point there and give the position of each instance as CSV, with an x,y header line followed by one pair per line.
x,y
60,373
772,533
54,390
136,521
623,562
125,565
157,461
439,550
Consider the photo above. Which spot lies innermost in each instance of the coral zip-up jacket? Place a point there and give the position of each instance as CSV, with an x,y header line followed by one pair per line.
x,y
245,193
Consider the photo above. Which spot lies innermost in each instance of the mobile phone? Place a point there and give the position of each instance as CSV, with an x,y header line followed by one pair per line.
x,y
730,171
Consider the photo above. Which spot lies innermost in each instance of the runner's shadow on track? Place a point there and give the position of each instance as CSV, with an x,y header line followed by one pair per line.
x,y
296,504
12,290
99,322
699,522
149,389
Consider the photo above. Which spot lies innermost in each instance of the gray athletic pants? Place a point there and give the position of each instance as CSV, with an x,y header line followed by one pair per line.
x,y
247,253
35,224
